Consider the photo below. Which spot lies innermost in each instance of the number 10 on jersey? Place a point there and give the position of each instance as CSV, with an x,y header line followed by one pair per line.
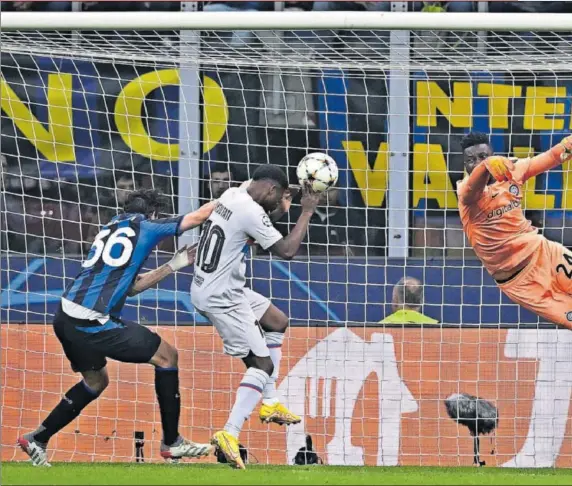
x,y
210,247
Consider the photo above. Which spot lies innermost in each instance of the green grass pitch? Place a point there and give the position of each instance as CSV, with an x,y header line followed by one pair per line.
x,y
202,474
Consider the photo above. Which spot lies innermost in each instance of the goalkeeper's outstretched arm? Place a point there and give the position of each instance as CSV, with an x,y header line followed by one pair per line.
x,y
545,161
503,169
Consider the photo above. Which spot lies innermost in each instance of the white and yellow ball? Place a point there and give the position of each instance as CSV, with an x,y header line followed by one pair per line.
x,y
319,169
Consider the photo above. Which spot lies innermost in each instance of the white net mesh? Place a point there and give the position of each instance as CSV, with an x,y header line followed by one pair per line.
x,y
88,116
436,50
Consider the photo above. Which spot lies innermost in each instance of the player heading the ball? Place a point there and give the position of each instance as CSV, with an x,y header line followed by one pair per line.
x,y
251,327
90,329
531,270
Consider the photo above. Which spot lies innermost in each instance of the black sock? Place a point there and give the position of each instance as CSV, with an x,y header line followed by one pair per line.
x,y
167,388
74,401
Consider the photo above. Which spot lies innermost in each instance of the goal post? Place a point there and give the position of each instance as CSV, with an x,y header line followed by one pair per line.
x,y
94,105
285,20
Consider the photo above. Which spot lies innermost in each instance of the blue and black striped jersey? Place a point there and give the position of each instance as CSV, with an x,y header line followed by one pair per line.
x,y
114,260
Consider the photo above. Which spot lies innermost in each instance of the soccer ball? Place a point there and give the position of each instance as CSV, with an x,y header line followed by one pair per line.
x,y
319,169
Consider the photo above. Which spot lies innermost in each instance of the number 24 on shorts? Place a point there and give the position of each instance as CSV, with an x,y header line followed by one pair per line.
x,y
567,272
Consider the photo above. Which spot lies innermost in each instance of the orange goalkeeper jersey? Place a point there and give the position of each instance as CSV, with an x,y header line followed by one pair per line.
x,y
495,224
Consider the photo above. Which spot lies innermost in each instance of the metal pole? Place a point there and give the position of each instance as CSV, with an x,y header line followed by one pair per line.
x,y
189,124
398,142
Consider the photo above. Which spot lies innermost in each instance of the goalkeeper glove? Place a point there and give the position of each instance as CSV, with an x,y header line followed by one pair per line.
x,y
500,168
565,148
183,258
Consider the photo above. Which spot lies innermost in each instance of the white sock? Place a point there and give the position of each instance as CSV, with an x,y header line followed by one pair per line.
x,y
274,341
247,396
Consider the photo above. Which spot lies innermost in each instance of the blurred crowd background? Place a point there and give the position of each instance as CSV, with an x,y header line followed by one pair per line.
x,y
428,6
61,216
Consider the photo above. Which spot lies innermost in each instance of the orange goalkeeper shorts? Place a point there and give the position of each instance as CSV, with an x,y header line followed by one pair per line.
x,y
545,285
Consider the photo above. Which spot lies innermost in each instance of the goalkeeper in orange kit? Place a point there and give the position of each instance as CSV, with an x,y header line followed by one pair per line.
x,y
531,270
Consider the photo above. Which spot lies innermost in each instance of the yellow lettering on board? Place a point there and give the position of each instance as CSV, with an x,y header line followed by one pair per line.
x,y
539,114
56,142
499,98
456,109
372,183
430,176
129,119
215,114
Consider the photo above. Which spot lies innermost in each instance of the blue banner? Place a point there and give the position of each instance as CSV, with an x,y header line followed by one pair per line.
x,y
75,117
317,292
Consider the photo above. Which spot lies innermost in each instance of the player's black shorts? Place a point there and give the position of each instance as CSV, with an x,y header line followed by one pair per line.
x,y
87,343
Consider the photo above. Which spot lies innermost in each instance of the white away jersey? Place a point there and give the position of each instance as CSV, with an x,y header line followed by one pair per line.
x,y
220,267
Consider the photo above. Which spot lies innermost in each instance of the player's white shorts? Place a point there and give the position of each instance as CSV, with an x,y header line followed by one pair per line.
x,y
239,328
258,303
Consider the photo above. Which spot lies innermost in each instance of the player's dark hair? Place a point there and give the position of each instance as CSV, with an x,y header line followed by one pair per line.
x,y
144,201
474,138
273,173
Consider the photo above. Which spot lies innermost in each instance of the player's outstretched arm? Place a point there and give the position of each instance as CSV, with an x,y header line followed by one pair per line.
x,y
196,218
181,259
287,247
472,189
545,161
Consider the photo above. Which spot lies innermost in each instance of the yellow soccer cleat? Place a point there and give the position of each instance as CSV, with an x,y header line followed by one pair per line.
x,y
228,445
278,414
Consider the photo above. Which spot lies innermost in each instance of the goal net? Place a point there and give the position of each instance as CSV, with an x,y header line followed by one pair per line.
x,y
89,113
